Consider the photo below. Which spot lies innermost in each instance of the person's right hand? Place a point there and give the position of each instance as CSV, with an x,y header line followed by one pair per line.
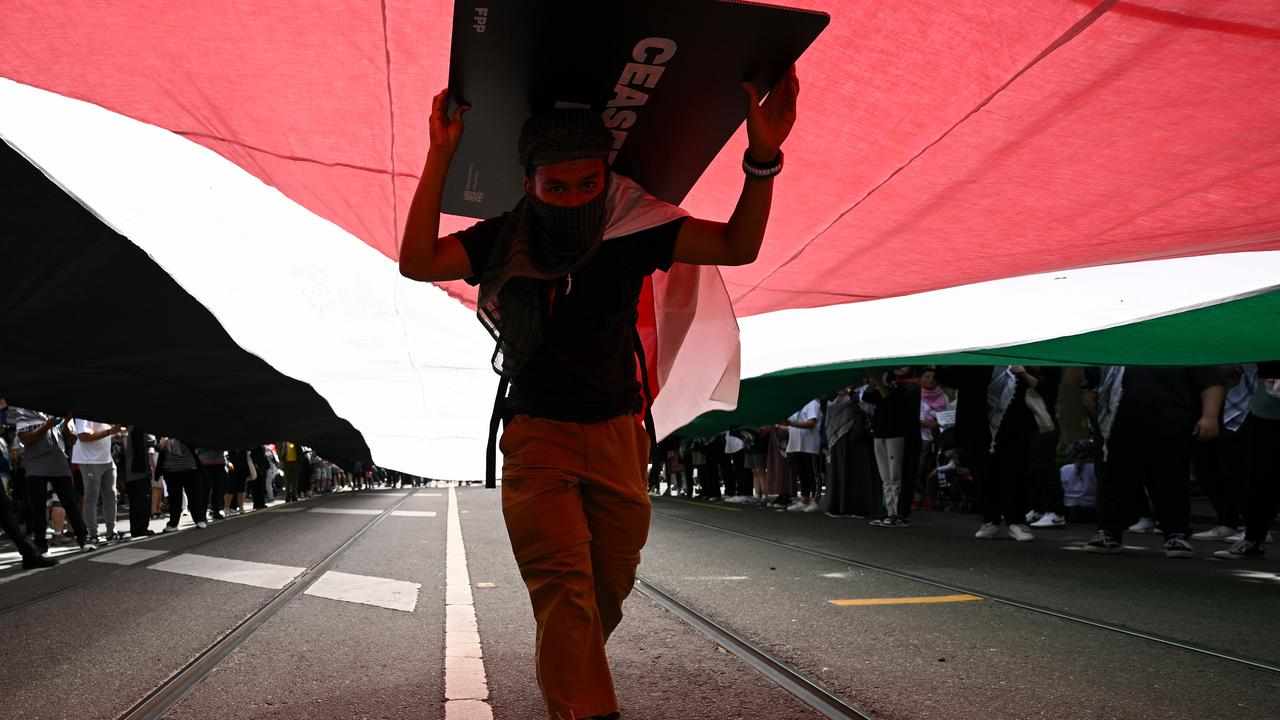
x,y
1206,429
446,129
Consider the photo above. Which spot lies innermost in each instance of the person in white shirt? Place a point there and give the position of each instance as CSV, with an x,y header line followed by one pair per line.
x,y
804,442
92,453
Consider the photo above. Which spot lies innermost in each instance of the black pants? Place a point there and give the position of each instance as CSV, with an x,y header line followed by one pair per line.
x,y
38,495
803,471
1261,442
258,490
10,525
215,478
139,494
1221,467
738,481
1045,474
292,475
193,484
1140,457
1008,477
709,478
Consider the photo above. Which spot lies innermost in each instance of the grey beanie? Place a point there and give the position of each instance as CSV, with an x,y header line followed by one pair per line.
x,y
555,136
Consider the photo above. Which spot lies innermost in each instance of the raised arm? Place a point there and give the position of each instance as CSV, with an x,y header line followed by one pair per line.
x,y
737,242
34,434
423,255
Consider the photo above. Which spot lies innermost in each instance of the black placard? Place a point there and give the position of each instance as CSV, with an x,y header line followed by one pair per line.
x,y
512,57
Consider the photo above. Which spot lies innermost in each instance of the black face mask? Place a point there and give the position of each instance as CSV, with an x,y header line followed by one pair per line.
x,y
563,235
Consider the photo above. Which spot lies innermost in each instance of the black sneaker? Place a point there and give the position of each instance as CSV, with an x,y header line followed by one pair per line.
x,y
38,561
1103,543
1176,546
1243,550
891,522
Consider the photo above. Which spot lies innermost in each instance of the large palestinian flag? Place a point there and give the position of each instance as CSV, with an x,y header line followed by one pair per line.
x,y
202,203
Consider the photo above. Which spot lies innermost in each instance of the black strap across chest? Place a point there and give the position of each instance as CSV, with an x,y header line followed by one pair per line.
x,y
500,415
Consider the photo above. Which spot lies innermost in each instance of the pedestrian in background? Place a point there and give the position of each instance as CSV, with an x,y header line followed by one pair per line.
x,y
92,453
181,471
47,467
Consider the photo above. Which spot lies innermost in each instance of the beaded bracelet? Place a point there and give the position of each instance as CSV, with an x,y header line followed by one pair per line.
x,y
757,170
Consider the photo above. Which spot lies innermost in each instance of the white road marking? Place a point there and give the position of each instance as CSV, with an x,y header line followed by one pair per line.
x,y
289,508
413,513
717,577
243,572
367,590
465,685
346,511
429,494
127,556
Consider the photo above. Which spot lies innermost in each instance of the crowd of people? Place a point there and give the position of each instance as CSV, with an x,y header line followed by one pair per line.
x,y
1027,448
65,480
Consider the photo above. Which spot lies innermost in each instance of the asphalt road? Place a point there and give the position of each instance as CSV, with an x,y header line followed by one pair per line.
x,y
90,638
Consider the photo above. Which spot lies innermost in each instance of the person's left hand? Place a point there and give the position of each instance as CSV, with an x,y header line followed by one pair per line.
x,y
1206,429
769,123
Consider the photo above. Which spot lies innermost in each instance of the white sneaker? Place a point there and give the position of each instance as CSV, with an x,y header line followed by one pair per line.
x,y
1144,526
1033,517
987,531
1021,533
202,524
1220,532
796,506
811,507
1050,520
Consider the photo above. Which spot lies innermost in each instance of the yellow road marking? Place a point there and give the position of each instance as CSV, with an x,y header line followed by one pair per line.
x,y
922,600
704,505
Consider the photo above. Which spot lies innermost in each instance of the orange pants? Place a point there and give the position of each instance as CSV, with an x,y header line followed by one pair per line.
x,y
576,502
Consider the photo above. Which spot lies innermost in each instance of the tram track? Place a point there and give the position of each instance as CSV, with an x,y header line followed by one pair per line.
x,y
803,688
172,689
955,588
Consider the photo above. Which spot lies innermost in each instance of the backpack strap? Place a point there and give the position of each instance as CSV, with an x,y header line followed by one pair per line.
x,y
499,413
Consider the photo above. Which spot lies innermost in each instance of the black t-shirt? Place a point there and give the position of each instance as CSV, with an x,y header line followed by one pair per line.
x,y
585,368
1164,400
898,414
